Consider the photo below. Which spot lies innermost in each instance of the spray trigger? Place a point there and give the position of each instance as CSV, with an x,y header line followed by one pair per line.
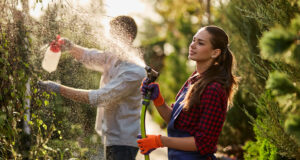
x,y
56,44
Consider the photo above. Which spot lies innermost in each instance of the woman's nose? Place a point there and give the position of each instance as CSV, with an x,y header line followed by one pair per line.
x,y
192,45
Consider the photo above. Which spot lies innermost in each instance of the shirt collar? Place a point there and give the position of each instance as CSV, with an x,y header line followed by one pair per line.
x,y
194,77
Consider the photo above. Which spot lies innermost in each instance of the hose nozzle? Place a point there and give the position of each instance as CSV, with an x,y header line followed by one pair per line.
x,y
151,74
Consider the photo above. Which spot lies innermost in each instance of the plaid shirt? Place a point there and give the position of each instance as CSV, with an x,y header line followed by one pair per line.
x,y
204,121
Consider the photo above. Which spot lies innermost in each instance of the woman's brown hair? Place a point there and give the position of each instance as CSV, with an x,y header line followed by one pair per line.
x,y
220,71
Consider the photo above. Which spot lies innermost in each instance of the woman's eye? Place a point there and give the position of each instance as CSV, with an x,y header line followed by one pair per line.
x,y
200,43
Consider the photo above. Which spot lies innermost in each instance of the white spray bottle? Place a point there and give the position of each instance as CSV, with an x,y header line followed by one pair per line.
x,y
52,55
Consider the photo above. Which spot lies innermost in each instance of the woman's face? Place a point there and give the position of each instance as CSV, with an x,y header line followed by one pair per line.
x,y
201,49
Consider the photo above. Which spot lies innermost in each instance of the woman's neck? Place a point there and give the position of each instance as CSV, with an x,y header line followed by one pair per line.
x,y
202,66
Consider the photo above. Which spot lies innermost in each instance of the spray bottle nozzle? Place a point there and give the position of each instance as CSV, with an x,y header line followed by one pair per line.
x,y
151,74
56,44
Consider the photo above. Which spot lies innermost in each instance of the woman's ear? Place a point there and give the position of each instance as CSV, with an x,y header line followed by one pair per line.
x,y
216,53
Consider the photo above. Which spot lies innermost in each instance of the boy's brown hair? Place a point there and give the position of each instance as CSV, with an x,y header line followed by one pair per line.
x,y
124,26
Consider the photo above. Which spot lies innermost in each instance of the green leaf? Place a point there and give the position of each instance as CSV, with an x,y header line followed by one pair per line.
x,y
30,123
39,102
12,94
2,118
39,122
46,102
45,126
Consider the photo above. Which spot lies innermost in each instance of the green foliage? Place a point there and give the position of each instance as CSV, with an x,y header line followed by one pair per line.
x,y
251,150
280,84
276,42
281,43
22,44
247,22
173,79
283,86
267,151
292,126
270,114
294,2
16,74
260,150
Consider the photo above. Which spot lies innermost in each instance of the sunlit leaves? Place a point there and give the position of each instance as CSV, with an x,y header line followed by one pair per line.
x,y
16,68
282,43
292,125
280,84
46,102
3,118
276,41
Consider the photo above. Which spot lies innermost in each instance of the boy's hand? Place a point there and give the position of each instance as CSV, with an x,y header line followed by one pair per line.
x,y
66,44
49,86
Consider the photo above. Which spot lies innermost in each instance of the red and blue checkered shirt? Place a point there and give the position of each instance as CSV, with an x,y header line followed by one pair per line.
x,y
204,121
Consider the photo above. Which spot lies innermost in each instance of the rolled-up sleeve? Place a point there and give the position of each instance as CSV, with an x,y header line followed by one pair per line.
x,y
118,88
94,59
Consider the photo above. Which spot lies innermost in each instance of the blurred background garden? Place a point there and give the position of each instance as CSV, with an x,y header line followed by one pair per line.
x,y
262,124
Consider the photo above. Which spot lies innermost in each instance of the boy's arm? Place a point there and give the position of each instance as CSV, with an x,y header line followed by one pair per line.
x,y
74,94
91,58
116,89
77,52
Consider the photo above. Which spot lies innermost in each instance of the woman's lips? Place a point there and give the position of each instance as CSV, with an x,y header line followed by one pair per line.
x,y
191,52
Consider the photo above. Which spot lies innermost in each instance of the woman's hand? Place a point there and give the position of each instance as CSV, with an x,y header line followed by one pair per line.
x,y
153,89
149,144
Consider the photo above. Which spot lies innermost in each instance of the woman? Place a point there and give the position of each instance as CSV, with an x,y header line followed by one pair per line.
x,y
195,120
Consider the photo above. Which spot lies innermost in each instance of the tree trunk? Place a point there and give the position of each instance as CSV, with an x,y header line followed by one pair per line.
x,y
208,11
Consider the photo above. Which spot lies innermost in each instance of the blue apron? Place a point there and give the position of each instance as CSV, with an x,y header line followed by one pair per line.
x,y
174,154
